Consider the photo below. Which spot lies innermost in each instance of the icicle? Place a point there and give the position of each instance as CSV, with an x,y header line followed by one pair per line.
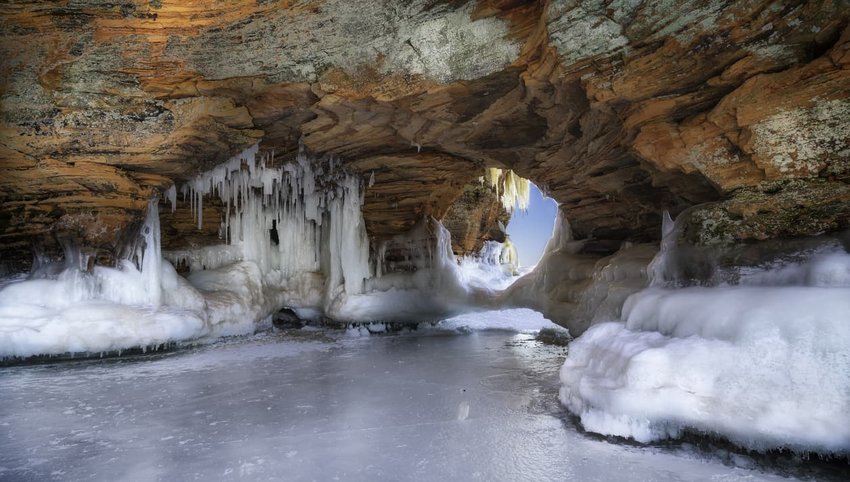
x,y
200,208
662,263
494,174
515,190
171,194
262,201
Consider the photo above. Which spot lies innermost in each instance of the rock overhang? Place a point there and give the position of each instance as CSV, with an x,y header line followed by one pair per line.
x,y
103,105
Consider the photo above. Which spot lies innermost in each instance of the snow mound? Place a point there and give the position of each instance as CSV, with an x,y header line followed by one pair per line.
x,y
521,320
766,367
91,327
112,309
107,309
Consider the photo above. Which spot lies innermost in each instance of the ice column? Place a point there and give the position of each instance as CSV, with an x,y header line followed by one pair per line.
x,y
152,254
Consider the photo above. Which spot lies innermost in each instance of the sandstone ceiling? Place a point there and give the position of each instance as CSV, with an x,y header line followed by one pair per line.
x,y
617,109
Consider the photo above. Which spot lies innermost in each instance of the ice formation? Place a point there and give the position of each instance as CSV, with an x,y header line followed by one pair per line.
x,y
322,261
70,309
494,267
513,191
417,278
293,236
171,195
521,320
319,254
759,355
322,254
579,289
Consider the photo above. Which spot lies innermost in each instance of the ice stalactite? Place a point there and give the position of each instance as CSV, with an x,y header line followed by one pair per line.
x,y
313,206
348,244
207,257
171,195
513,191
658,268
151,255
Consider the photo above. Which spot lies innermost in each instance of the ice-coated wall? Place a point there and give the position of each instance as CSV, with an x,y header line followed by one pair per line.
x,y
312,206
576,289
748,343
323,260
67,307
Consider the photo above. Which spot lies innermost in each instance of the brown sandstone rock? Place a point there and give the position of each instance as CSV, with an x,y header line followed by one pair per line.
x,y
619,110
476,216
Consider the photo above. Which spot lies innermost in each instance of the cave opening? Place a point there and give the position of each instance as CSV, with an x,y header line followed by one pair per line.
x,y
530,229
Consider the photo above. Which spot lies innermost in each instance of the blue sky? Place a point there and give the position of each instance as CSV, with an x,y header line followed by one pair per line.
x,y
530,230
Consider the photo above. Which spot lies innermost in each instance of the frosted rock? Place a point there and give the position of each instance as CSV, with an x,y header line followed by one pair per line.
x,y
764,362
105,310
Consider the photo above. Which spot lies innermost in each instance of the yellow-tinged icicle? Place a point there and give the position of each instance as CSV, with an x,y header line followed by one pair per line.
x,y
512,189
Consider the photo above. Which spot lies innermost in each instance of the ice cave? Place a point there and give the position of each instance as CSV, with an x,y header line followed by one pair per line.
x,y
425,240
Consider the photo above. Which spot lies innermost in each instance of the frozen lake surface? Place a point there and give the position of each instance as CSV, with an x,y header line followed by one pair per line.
x,y
312,405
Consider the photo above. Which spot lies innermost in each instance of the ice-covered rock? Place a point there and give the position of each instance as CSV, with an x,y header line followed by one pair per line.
x,y
760,357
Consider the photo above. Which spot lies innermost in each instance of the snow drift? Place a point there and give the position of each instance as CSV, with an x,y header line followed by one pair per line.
x,y
761,358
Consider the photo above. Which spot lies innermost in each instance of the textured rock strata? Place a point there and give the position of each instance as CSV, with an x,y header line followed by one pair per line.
x,y
477,215
619,110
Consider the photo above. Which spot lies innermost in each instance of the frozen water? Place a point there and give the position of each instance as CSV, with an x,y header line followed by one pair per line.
x,y
315,406
493,268
512,190
314,206
103,310
764,363
319,260
521,320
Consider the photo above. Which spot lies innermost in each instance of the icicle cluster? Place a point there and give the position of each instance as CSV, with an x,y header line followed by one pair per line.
x,y
512,190
304,216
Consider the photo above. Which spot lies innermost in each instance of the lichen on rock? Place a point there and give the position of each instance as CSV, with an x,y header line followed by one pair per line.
x,y
805,141
620,109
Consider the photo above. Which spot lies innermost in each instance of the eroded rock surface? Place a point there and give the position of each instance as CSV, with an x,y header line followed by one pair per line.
x,y
618,110
476,216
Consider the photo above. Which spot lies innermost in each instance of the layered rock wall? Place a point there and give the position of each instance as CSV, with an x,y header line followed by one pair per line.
x,y
476,216
618,110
